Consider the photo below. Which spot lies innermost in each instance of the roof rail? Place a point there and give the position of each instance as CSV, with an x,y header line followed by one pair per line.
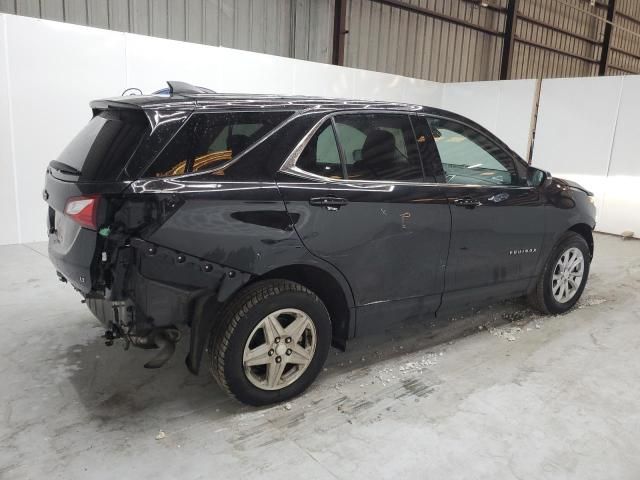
x,y
183,87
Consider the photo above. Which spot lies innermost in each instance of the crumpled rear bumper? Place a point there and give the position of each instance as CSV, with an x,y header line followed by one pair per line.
x,y
155,287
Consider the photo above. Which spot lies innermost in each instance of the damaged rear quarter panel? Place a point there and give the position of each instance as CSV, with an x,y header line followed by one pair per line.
x,y
244,226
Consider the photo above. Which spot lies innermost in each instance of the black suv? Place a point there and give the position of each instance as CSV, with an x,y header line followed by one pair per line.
x,y
273,227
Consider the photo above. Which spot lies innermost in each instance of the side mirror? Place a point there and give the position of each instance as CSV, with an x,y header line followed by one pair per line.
x,y
536,177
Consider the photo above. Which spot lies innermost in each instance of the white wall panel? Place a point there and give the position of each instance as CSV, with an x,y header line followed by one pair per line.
x,y
575,130
621,203
502,107
55,69
8,212
478,101
151,62
396,88
515,109
324,80
576,122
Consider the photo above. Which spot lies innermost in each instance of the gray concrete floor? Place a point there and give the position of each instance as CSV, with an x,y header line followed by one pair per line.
x,y
537,397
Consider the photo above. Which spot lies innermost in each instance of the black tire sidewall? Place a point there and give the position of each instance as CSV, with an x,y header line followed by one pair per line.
x,y
552,305
234,373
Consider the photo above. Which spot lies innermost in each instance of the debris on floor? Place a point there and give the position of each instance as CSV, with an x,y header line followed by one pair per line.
x,y
590,301
161,435
524,320
425,362
508,333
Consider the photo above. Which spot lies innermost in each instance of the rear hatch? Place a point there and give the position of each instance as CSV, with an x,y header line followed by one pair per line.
x,y
80,183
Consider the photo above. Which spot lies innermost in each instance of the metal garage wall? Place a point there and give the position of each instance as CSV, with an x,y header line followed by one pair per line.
x,y
291,28
558,39
444,41
387,38
625,42
462,40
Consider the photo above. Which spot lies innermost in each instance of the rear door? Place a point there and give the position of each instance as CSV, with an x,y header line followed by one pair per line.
x,y
362,202
497,219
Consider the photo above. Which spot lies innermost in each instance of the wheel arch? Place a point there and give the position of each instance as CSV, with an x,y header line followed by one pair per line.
x,y
331,288
336,296
586,232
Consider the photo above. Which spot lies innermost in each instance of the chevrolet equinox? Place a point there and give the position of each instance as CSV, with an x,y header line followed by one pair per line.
x,y
272,227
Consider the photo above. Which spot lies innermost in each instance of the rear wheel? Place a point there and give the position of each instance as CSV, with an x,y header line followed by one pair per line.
x,y
271,343
564,276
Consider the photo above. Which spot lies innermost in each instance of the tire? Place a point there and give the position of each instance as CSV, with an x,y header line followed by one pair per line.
x,y
264,313
542,296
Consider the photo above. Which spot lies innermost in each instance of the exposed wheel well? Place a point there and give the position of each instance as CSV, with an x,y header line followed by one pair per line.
x,y
586,232
328,290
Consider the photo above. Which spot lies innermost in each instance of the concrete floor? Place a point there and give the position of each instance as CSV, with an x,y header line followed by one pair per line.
x,y
538,397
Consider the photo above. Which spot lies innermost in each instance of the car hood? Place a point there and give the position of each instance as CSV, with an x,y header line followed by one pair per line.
x,y
572,184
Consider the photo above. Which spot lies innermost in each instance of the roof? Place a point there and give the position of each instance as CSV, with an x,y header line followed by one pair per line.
x,y
181,95
243,101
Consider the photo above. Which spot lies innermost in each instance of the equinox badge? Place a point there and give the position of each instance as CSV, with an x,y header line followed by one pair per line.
x,y
522,251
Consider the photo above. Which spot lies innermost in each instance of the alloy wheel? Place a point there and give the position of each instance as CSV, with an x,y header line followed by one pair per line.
x,y
567,275
279,349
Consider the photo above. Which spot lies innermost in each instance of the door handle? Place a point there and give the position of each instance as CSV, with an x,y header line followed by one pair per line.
x,y
467,202
330,202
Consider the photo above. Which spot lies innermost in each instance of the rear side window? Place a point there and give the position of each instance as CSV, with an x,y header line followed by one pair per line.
x,y
379,146
321,156
209,140
102,148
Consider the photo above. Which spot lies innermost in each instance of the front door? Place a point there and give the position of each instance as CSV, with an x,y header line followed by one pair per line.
x,y
362,204
497,219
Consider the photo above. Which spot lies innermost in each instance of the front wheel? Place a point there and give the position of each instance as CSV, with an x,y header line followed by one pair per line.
x,y
271,342
564,276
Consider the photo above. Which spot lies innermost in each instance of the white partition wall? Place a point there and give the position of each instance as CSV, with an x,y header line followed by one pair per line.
x,y
504,107
53,73
50,71
576,125
621,203
587,131
9,211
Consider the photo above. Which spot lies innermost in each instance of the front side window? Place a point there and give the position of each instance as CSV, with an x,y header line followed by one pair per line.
x,y
320,155
470,158
379,146
209,140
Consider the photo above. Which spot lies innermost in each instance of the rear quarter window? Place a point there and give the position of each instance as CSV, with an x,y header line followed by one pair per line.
x,y
210,140
102,148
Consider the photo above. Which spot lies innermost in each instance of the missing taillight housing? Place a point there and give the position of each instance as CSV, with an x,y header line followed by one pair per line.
x,y
83,210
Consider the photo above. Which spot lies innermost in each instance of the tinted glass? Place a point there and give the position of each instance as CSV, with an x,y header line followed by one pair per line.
x,y
103,147
321,155
379,147
210,140
469,157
